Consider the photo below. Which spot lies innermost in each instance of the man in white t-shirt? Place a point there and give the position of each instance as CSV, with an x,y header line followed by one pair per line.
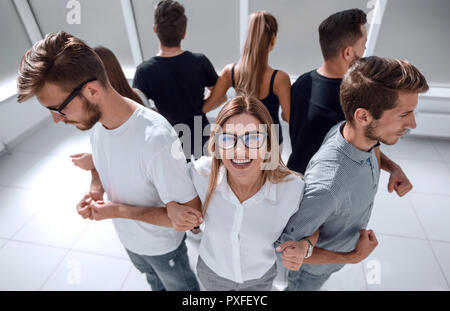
x,y
136,152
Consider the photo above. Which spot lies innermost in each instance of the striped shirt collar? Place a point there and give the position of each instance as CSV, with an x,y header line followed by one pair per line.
x,y
351,151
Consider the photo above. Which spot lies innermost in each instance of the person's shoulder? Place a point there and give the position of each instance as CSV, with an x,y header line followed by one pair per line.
x,y
203,61
148,64
200,170
196,55
202,166
328,155
226,71
282,78
329,179
328,167
95,131
155,128
293,181
304,78
282,74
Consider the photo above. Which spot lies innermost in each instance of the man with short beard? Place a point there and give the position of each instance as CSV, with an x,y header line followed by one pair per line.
x,y
378,98
135,151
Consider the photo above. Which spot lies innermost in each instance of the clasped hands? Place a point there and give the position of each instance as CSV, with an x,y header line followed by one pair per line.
x,y
182,217
97,209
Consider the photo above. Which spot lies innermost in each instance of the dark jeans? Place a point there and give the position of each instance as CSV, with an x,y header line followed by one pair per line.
x,y
170,271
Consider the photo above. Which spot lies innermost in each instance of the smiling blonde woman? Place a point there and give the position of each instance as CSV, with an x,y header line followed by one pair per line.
x,y
245,205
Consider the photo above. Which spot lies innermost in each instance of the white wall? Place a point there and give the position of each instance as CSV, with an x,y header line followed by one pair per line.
x,y
102,23
14,41
419,31
18,119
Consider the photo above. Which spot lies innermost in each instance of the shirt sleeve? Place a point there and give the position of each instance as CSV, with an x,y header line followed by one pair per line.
x,y
140,83
210,73
315,208
170,175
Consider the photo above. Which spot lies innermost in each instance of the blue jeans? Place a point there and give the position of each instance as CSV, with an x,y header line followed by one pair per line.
x,y
303,281
169,272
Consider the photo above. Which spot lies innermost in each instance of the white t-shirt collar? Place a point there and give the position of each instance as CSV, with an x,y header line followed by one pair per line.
x,y
124,125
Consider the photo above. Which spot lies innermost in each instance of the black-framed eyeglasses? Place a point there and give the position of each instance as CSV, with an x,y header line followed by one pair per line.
x,y
71,96
251,140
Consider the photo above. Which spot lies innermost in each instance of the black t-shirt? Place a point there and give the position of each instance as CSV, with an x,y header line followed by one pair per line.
x,y
315,109
176,85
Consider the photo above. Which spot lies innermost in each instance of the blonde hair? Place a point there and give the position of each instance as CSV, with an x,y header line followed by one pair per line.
x,y
262,28
252,106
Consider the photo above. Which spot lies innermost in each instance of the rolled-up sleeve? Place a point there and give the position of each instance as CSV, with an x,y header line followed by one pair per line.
x,y
315,208
170,175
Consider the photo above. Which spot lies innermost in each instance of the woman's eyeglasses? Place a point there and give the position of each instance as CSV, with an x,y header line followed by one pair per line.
x,y
251,140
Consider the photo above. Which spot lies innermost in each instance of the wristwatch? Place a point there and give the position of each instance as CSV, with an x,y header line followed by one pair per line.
x,y
310,247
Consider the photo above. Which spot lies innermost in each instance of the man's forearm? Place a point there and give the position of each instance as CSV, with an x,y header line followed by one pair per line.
x,y
152,215
96,190
96,184
322,256
386,164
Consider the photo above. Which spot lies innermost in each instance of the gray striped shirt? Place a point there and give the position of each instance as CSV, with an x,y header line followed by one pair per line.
x,y
341,183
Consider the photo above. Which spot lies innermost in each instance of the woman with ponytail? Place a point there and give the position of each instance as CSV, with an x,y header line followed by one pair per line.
x,y
252,75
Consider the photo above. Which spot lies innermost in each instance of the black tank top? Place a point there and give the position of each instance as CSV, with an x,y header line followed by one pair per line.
x,y
271,102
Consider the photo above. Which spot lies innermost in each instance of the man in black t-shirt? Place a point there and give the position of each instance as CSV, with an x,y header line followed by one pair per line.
x,y
315,105
175,79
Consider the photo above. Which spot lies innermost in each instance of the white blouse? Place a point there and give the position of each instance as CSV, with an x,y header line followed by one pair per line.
x,y
238,238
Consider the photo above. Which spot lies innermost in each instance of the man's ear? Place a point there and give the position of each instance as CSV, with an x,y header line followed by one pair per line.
x,y
154,28
347,53
362,116
92,90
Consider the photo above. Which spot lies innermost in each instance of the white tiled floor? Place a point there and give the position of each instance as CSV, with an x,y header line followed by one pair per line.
x,y
45,245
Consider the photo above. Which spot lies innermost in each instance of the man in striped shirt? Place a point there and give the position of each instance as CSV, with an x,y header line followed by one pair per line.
x,y
378,97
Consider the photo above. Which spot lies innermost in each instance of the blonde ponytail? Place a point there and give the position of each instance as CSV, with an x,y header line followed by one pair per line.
x,y
262,28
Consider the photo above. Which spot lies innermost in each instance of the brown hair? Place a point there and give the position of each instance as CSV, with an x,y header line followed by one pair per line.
x,y
340,30
59,58
373,83
170,22
251,106
262,28
115,74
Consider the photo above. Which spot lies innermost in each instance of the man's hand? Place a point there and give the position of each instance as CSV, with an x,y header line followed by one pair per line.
x,y
104,210
399,182
293,254
96,195
366,244
83,161
83,207
183,217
